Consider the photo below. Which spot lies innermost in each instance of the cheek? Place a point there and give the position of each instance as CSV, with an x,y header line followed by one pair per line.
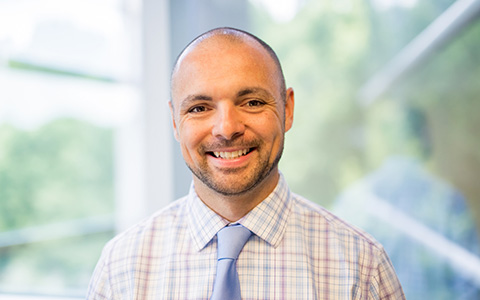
x,y
191,135
270,127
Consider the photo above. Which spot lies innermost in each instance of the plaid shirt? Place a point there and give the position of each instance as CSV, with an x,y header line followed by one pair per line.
x,y
298,251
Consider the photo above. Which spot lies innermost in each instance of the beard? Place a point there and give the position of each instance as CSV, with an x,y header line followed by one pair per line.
x,y
218,180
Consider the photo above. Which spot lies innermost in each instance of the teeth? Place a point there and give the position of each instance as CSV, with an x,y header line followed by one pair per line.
x,y
230,155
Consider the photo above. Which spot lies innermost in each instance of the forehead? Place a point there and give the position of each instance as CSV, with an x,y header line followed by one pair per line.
x,y
218,58
218,44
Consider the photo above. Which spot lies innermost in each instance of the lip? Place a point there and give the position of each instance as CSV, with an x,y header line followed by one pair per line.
x,y
229,153
238,162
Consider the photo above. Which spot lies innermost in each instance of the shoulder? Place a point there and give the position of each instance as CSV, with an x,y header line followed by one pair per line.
x,y
318,219
351,245
158,225
122,256
346,243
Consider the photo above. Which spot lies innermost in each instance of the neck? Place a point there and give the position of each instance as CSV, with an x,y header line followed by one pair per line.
x,y
235,207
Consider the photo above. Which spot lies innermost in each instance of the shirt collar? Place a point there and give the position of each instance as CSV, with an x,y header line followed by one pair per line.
x,y
204,223
267,220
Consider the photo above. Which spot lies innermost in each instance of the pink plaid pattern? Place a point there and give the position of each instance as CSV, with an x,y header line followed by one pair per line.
x,y
298,251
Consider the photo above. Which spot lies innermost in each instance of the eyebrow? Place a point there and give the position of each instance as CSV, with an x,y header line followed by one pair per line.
x,y
253,90
192,98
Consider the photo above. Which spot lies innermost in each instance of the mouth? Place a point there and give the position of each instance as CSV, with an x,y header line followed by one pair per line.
x,y
230,154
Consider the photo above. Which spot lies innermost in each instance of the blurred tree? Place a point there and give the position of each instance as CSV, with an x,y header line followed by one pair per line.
x,y
447,90
62,170
58,172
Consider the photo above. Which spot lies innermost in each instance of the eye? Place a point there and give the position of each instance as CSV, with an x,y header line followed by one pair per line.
x,y
197,109
255,103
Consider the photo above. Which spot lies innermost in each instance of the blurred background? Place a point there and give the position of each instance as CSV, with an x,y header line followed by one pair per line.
x,y
386,130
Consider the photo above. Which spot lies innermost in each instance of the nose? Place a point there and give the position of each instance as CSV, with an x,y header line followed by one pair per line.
x,y
229,123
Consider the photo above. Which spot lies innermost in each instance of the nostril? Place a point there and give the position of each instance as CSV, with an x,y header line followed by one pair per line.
x,y
228,129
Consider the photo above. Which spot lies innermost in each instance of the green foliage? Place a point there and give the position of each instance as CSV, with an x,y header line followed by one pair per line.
x,y
446,89
58,172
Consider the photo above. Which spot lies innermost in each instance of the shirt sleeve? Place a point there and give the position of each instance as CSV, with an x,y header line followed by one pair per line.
x,y
385,283
99,287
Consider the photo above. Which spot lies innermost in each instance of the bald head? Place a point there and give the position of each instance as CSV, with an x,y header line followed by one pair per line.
x,y
226,36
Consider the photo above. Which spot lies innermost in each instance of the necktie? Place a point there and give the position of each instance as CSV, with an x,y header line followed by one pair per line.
x,y
231,240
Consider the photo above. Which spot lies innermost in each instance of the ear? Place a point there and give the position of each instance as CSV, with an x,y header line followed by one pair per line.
x,y
172,113
289,107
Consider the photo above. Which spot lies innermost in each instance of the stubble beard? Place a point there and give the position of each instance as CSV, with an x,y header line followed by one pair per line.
x,y
241,186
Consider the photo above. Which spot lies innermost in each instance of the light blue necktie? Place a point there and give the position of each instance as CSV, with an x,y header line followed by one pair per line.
x,y
231,240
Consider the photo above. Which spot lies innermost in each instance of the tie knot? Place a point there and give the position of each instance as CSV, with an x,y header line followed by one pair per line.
x,y
231,240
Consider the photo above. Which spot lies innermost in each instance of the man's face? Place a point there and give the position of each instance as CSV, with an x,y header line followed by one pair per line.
x,y
229,116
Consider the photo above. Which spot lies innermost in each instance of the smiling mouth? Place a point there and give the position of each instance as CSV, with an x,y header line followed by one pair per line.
x,y
230,154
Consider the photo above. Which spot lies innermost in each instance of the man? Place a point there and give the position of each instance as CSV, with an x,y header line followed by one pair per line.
x,y
230,111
